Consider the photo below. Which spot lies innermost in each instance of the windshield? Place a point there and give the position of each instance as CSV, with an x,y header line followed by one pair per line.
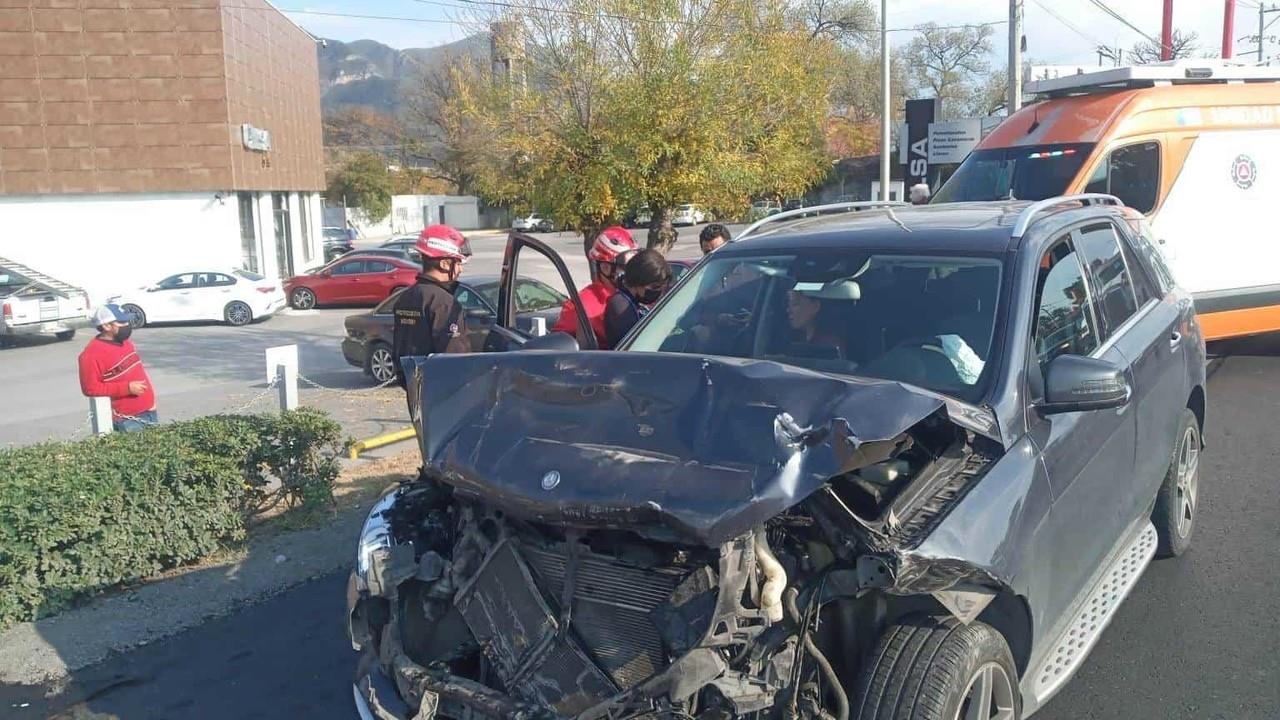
x,y
1034,172
924,320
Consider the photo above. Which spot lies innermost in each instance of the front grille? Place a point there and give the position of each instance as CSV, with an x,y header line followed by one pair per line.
x,y
613,609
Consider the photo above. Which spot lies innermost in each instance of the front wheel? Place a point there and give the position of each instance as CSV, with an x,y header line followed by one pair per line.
x,y
930,668
381,363
238,314
302,299
1178,502
137,318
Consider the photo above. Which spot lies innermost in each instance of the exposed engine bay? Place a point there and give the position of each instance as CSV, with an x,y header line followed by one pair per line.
x,y
477,602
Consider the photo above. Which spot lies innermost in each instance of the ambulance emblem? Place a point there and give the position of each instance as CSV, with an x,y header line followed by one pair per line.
x,y
1244,171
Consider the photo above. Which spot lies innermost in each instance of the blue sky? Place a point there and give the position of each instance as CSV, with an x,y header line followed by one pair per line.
x,y
1049,39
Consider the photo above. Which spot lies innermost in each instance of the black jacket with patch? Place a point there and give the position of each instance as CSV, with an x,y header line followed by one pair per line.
x,y
427,320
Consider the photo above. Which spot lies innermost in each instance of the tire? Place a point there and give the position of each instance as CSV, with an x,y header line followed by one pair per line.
x,y
930,668
1178,502
237,314
137,318
302,299
380,363
65,335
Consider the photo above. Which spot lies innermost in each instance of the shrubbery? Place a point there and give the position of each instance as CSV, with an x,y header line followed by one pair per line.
x,y
76,518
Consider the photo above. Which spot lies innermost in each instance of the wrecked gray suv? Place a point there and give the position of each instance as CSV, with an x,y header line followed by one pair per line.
x,y
888,463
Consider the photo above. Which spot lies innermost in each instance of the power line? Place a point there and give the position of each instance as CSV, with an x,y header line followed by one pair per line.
x,y
1117,16
1068,23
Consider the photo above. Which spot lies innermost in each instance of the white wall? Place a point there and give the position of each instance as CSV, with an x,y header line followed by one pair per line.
x,y
110,243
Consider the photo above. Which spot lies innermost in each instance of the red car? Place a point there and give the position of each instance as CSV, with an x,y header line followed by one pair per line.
x,y
351,280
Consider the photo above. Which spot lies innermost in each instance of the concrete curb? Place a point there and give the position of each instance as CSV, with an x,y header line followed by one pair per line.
x,y
51,649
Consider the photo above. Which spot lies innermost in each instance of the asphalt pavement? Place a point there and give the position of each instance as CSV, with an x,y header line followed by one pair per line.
x,y
206,368
1197,639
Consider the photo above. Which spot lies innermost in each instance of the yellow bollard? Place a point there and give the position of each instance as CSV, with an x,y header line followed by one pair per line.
x,y
380,440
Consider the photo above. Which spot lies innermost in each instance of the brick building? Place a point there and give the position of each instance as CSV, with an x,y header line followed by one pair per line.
x,y
140,138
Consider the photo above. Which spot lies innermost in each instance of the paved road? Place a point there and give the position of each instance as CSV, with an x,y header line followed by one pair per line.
x,y
200,369
1197,640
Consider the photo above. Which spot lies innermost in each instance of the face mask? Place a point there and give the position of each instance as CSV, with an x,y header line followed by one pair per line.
x,y
123,333
650,296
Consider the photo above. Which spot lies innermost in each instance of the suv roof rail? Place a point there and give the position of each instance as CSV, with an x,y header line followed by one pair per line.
x,y
1029,213
818,209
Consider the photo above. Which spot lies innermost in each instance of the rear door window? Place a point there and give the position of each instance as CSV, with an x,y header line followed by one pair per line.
x,y
1100,250
1065,321
377,266
354,267
1131,173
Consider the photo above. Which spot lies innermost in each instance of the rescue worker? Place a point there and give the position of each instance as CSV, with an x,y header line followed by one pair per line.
x,y
427,319
610,251
644,279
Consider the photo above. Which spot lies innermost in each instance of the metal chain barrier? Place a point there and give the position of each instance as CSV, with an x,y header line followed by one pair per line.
x,y
360,392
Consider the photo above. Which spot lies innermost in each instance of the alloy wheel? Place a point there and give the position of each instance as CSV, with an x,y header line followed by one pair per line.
x,y
239,314
988,696
381,365
1188,479
304,299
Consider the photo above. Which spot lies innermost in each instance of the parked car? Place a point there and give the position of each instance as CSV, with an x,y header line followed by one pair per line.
x,y
337,242
367,344
689,215
762,209
643,218
357,279
533,223
405,243
32,303
793,204
236,297
882,464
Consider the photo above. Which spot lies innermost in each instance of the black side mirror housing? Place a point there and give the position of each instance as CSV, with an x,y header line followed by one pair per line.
x,y
1079,384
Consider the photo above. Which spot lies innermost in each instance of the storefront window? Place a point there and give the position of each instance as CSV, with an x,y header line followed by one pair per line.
x,y
284,237
248,234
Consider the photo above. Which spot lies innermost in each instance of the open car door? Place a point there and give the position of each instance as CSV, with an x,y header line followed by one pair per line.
x,y
505,335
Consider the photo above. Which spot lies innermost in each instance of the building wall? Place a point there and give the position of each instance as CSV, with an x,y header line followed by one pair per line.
x,y
117,96
273,84
107,243
108,97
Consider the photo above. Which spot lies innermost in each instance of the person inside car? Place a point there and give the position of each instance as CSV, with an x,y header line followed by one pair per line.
x,y
612,248
810,314
427,319
645,277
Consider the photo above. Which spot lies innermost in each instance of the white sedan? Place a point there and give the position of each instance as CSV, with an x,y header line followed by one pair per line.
x,y
689,215
533,223
236,297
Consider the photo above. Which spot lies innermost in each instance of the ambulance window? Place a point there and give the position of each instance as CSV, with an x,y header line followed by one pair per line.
x,y
1131,173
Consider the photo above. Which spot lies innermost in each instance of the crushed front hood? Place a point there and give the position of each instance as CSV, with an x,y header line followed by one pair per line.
x,y
693,448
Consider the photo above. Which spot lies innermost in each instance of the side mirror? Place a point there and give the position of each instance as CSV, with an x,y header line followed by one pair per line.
x,y
556,341
480,314
1077,384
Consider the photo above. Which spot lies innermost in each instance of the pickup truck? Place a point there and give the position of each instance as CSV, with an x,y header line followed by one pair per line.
x,y
33,303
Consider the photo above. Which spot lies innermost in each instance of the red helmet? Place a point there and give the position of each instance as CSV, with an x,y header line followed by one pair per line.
x,y
442,241
612,243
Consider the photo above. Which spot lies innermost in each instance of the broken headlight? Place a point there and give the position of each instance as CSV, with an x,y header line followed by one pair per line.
x,y
375,536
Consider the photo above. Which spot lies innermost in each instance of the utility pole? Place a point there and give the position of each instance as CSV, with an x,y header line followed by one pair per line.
x,y
1166,32
886,112
1228,27
1013,100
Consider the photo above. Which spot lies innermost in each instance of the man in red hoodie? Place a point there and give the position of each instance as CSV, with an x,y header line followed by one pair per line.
x,y
612,248
110,367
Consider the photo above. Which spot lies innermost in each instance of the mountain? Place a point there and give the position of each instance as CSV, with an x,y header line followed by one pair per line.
x,y
368,74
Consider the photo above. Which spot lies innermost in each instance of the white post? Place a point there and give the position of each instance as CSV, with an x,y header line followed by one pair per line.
x,y
885,111
539,326
287,377
100,415
1013,101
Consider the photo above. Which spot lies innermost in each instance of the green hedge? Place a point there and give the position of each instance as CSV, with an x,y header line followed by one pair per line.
x,y
76,518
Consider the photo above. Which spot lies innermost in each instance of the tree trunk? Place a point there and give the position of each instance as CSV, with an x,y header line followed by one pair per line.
x,y
589,233
662,234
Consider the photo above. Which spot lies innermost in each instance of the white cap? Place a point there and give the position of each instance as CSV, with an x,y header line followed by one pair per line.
x,y
109,314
